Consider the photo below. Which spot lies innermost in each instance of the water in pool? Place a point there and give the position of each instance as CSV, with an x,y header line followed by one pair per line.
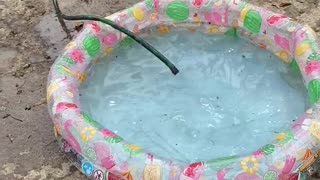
x,y
230,97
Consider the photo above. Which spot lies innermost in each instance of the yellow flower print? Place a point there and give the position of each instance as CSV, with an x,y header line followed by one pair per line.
x,y
133,149
108,51
173,172
283,55
71,45
302,48
87,133
213,30
196,19
138,13
280,137
244,12
250,165
81,76
164,29
284,138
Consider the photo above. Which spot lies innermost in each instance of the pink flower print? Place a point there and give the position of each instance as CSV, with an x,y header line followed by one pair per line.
x,y
276,19
213,17
282,42
108,162
312,66
77,56
150,156
107,133
63,106
221,174
104,155
95,27
109,39
198,3
258,154
156,4
290,161
194,170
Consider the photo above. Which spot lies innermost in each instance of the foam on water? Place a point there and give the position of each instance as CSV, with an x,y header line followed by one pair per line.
x,y
230,97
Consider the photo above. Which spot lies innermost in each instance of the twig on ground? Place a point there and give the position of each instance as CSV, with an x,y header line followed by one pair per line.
x,y
9,115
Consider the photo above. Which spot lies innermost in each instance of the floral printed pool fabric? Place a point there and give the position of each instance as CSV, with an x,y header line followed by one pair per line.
x,y
101,154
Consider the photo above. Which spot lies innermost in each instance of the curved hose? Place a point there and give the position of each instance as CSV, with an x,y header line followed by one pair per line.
x,y
139,40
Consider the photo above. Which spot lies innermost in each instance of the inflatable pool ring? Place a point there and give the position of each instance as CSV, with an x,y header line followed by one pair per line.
x,y
99,152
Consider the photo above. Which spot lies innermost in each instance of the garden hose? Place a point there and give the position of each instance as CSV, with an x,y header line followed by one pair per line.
x,y
139,40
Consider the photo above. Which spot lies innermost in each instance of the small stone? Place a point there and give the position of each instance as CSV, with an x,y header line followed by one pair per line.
x,y
27,108
79,27
19,91
26,66
285,4
2,108
30,6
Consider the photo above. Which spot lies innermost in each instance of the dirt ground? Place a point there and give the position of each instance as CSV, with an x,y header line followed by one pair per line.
x,y
30,40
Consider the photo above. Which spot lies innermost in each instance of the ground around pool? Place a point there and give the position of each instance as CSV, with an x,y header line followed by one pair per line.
x,y
30,39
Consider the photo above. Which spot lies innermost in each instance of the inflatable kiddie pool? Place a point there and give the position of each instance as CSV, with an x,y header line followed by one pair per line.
x,y
102,154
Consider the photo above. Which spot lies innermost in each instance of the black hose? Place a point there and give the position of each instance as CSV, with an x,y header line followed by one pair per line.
x,y
139,40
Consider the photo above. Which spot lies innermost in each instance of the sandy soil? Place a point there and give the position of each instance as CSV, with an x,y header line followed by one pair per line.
x,y
30,40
